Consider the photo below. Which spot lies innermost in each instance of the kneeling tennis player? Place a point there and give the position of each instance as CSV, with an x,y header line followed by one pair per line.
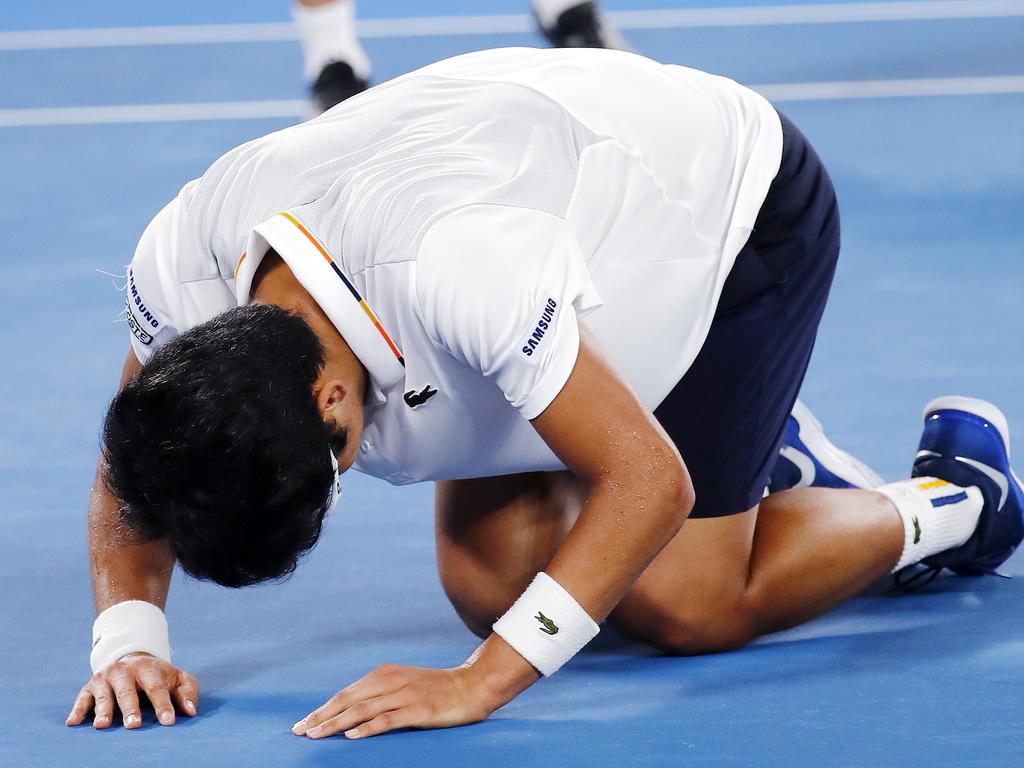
x,y
577,289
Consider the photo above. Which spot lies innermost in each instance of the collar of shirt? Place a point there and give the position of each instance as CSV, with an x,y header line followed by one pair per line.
x,y
319,274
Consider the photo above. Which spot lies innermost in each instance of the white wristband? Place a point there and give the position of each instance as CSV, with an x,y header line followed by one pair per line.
x,y
130,627
546,625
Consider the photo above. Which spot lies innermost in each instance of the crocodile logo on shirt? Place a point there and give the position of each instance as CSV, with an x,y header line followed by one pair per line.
x,y
413,398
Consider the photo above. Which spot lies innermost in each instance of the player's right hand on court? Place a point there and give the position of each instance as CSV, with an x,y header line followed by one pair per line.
x,y
119,683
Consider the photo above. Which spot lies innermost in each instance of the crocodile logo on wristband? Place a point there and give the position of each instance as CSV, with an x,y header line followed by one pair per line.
x,y
549,627
97,640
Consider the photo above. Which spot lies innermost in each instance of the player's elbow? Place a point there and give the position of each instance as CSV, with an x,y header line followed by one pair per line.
x,y
672,490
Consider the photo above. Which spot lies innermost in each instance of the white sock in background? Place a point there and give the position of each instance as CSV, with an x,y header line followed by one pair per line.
x,y
328,33
548,11
936,516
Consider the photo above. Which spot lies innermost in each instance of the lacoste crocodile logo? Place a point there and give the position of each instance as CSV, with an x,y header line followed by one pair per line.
x,y
413,398
97,640
917,531
549,628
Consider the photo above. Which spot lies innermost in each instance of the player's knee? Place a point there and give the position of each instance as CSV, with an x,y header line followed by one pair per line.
x,y
477,603
711,627
479,616
713,632
479,623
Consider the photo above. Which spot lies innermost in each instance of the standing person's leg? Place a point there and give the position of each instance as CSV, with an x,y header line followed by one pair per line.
x,y
576,24
334,62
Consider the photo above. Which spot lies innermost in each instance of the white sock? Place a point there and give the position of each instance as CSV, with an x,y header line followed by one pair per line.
x,y
328,33
548,11
936,516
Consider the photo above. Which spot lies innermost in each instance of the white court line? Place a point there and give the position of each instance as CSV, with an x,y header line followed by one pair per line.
x,y
888,89
154,113
298,108
428,26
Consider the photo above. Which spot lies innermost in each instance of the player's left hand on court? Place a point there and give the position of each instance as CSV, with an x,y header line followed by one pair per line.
x,y
393,697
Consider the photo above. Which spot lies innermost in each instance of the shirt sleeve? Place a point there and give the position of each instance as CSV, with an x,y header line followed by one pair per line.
x,y
500,289
151,282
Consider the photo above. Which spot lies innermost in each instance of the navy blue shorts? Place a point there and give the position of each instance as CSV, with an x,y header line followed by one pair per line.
x,y
728,412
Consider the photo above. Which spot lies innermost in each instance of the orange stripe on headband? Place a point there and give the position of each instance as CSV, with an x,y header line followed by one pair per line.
x,y
362,303
313,240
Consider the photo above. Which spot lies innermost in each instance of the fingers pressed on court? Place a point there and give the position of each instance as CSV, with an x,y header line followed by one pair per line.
x,y
337,703
186,693
357,714
366,687
123,682
104,708
392,720
83,702
152,682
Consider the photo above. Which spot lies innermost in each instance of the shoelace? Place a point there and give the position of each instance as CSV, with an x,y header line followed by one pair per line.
x,y
914,578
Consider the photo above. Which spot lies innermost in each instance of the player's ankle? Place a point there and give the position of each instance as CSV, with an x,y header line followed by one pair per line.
x,y
936,515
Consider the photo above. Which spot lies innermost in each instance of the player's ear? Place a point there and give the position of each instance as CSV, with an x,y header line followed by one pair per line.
x,y
342,412
330,399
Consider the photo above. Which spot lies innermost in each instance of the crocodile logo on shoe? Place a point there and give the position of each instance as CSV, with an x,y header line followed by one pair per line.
x,y
413,398
549,628
917,531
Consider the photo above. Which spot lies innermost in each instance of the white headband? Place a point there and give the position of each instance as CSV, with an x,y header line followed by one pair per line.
x,y
332,501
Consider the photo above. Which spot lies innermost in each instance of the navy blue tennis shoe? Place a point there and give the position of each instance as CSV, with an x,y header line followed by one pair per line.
x,y
808,459
583,26
337,81
967,442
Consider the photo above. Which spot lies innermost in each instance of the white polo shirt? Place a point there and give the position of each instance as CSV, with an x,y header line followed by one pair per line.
x,y
455,223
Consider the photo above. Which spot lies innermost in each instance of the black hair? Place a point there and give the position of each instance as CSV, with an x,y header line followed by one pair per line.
x,y
218,447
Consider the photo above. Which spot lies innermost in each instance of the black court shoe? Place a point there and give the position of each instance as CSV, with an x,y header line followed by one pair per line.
x,y
582,27
337,82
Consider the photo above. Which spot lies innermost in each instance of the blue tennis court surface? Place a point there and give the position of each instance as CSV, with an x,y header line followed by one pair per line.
x,y
928,301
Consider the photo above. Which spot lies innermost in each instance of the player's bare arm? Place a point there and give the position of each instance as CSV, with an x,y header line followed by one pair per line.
x,y
639,495
124,569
